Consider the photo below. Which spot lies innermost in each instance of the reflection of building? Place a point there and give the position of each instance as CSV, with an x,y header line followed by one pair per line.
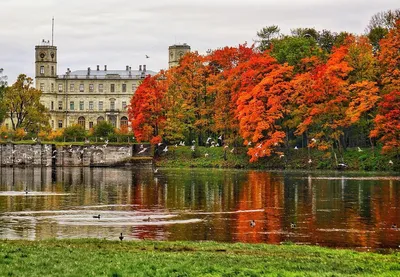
x,y
85,97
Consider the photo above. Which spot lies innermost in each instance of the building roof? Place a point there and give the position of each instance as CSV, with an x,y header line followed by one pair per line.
x,y
107,74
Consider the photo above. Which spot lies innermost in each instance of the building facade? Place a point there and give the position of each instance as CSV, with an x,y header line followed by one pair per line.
x,y
85,97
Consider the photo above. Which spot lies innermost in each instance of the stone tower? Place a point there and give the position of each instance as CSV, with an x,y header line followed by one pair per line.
x,y
45,67
176,52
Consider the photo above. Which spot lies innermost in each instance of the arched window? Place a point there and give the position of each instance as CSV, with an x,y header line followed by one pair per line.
x,y
81,121
124,122
100,119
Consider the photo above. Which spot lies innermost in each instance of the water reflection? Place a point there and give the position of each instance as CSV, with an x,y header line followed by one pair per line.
x,y
346,211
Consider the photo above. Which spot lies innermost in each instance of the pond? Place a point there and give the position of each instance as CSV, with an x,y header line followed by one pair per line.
x,y
335,209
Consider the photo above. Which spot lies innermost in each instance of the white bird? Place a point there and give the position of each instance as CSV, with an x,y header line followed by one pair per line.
x,y
309,161
233,149
313,140
390,162
142,151
359,149
165,149
159,144
156,170
34,139
206,155
249,143
192,148
176,145
220,137
259,146
281,156
106,141
208,139
226,146
296,148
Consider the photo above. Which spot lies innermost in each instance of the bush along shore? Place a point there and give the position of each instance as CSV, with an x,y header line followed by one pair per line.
x,y
94,257
365,159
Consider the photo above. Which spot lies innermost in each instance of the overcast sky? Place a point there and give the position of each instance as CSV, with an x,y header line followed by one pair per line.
x,y
122,32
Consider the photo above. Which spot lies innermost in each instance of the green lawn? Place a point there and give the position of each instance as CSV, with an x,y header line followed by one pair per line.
x,y
88,257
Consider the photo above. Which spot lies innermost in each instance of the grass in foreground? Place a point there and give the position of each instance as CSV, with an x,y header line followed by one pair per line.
x,y
88,257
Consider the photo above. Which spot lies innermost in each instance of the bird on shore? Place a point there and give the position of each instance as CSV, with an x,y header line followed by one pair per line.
x,y
26,190
96,216
252,223
292,225
121,237
147,219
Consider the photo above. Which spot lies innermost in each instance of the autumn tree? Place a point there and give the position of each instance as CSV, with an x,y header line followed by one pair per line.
x,y
3,85
387,123
191,77
146,110
22,103
224,73
264,90
389,60
324,101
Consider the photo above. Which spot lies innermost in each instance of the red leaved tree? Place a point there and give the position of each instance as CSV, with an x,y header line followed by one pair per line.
x,y
146,110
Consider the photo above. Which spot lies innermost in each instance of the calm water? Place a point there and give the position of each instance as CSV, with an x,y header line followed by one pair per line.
x,y
332,209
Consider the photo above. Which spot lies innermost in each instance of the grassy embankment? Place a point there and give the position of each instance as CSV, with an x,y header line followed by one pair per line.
x,y
366,159
88,257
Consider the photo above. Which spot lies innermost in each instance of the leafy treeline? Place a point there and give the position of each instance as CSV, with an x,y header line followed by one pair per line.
x,y
308,89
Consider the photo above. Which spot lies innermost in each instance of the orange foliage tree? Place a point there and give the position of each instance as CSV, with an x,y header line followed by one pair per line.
x,y
263,93
223,73
387,121
146,110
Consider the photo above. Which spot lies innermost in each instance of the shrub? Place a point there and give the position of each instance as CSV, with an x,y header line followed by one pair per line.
x,y
75,132
103,129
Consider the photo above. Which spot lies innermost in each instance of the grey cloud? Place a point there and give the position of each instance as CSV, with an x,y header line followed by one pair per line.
x,y
122,32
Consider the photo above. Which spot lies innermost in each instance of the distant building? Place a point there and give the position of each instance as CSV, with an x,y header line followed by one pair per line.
x,y
85,97
176,52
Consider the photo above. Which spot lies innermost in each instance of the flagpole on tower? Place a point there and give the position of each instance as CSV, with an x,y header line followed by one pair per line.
x,y
52,32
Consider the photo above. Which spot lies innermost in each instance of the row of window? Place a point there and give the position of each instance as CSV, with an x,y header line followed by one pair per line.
x,y
91,105
82,122
91,87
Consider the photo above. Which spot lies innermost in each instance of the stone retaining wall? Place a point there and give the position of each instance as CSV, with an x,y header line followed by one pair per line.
x,y
52,155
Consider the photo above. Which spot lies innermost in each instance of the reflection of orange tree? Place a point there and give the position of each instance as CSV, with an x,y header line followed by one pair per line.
x,y
261,191
385,209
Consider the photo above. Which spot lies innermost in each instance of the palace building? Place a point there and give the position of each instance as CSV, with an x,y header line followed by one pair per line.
x,y
87,97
